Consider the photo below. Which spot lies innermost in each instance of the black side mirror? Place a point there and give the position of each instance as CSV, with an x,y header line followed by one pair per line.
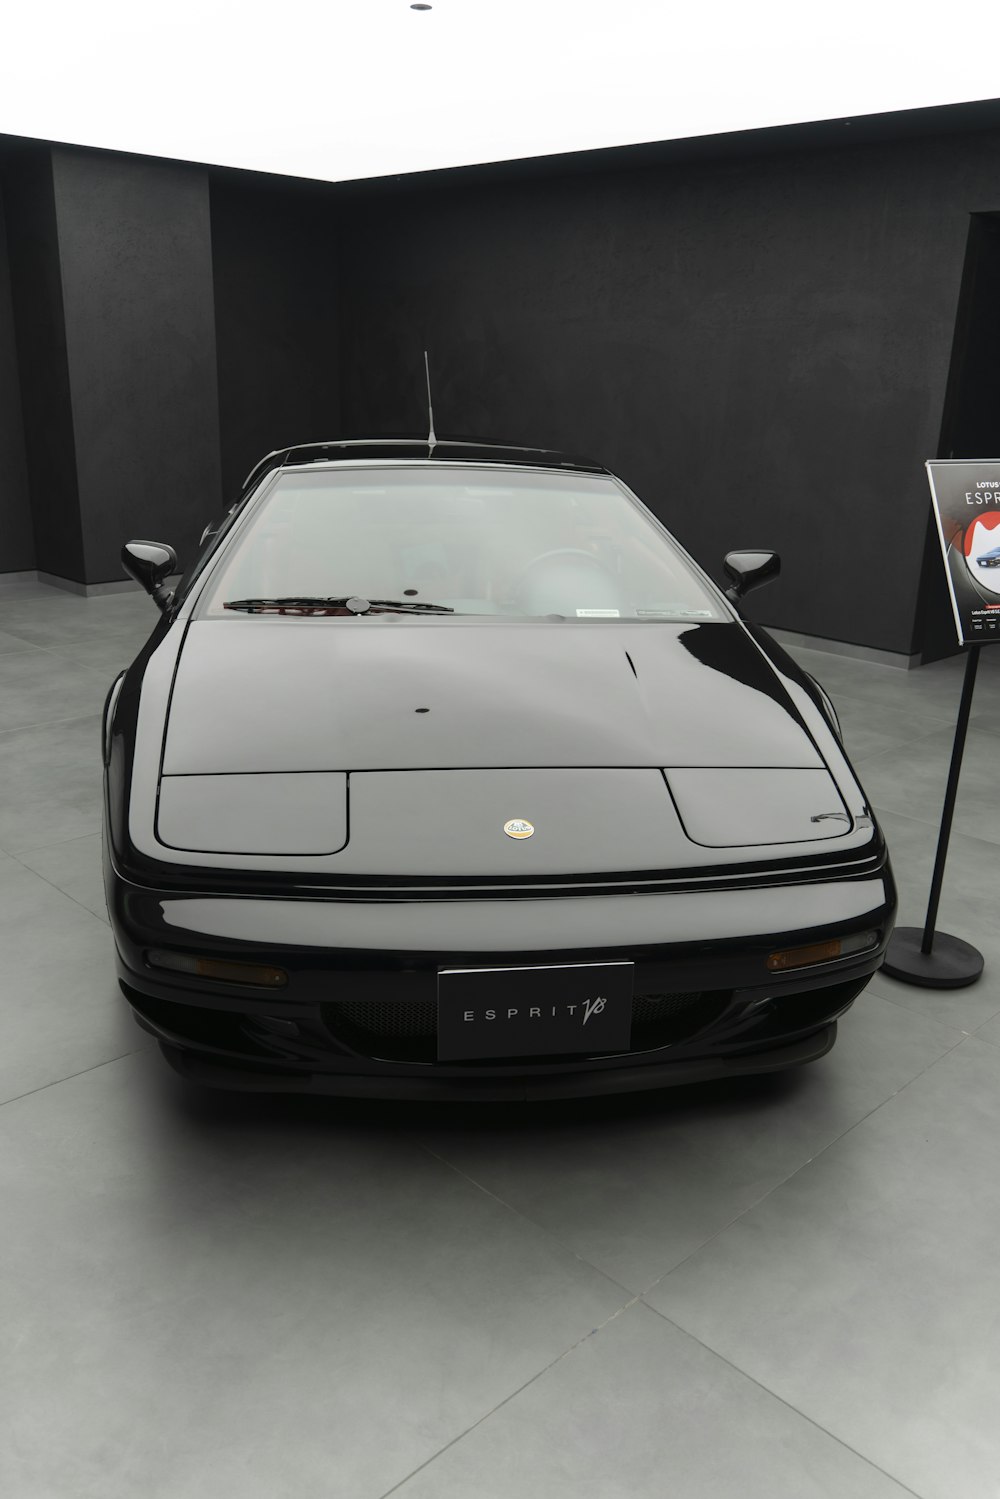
x,y
746,570
150,563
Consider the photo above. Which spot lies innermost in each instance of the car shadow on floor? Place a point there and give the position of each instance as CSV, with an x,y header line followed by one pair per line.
x,y
726,1098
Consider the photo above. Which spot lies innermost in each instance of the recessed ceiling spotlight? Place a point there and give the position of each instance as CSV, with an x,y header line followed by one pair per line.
x,y
421,7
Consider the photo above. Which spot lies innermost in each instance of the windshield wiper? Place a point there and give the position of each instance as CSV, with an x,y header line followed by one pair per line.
x,y
351,604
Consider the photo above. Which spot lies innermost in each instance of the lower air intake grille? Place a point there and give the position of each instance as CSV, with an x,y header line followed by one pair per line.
x,y
406,1030
664,1019
398,1030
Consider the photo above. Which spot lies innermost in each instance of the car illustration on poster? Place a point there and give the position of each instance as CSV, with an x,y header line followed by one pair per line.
x,y
446,772
982,556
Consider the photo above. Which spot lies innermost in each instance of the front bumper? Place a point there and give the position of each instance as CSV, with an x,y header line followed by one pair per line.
x,y
357,1015
213,1072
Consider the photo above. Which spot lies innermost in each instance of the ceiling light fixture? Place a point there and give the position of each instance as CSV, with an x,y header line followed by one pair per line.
x,y
421,7
377,122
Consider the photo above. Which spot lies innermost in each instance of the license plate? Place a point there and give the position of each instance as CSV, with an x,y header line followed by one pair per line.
x,y
528,1012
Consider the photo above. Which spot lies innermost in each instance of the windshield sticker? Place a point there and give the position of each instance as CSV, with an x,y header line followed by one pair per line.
x,y
674,609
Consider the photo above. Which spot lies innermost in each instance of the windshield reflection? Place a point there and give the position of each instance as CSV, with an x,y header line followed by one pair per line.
x,y
423,538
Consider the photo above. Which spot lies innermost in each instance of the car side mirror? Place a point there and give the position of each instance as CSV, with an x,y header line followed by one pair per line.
x,y
746,570
151,563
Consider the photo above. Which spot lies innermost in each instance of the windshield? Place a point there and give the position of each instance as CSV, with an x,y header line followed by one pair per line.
x,y
511,543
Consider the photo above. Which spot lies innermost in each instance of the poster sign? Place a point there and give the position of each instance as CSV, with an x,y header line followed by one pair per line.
x,y
966,498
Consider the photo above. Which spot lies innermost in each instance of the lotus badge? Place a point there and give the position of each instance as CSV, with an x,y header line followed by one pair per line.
x,y
518,828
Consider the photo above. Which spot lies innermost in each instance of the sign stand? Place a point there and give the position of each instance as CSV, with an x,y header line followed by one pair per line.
x,y
931,958
965,495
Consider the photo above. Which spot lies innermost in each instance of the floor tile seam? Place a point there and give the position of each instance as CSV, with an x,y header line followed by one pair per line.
x,y
46,723
65,655
863,762
64,658
538,1227
846,681
939,728
989,844
15,851
931,822
52,886
803,1415
889,1000
804,1166
58,1081
44,607
40,848
858,759
916,689
935,721
512,1396
24,647
730,1223
841,657
974,1035
96,607
948,724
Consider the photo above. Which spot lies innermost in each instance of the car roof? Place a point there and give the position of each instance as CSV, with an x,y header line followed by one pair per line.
x,y
447,450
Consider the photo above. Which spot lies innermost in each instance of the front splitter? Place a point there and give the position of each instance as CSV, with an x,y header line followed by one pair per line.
x,y
209,1072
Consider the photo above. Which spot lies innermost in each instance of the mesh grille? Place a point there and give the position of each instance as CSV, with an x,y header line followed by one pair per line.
x,y
399,1030
662,1019
389,1019
647,1008
406,1030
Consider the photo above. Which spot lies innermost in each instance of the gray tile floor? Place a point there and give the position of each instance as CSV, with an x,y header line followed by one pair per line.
x,y
784,1287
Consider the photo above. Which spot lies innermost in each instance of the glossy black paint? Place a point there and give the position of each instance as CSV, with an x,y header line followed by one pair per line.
x,y
746,570
694,813
447,450
237,706
150,563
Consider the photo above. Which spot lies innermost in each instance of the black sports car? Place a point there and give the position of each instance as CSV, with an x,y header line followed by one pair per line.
x,y
990,558
446,772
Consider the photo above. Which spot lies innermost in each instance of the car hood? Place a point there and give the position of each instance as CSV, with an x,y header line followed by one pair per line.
x,y
256,694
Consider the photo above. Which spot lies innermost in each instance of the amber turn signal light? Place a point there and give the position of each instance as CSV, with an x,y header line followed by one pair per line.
x,y
821,952
260,974
800,957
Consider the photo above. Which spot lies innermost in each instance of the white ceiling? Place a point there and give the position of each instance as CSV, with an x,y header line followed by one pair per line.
x,y
338,90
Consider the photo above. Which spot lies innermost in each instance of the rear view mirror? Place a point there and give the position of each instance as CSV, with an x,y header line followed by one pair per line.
x,y
746,570
151,563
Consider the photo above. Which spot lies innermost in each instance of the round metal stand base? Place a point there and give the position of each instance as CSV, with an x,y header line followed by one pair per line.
x,y
950,965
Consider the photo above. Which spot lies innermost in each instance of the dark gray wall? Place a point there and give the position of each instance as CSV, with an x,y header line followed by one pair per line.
x,y
971,425
123,349
275,257
760,346
36,288
136,265
17,537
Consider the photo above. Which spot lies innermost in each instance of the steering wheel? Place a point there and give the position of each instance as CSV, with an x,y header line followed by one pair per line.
x,y
522,576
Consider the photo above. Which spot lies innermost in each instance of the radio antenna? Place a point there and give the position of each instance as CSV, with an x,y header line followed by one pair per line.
x,y
431,439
